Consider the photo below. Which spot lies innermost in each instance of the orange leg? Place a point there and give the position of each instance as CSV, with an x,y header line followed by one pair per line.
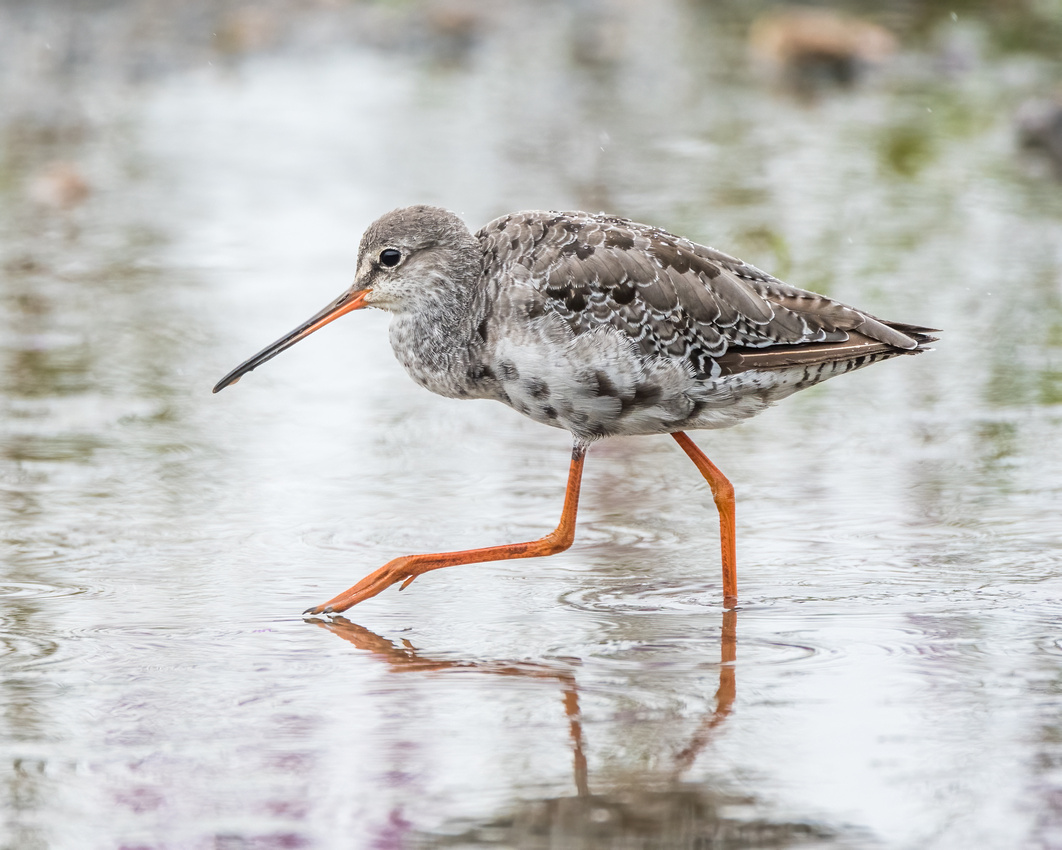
x,y
408,567
723,493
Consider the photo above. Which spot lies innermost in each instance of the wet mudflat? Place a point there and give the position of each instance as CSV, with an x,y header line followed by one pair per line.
x,y
179,189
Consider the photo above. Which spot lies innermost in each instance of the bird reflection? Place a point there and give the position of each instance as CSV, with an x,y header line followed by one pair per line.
x,y
404,657
673,811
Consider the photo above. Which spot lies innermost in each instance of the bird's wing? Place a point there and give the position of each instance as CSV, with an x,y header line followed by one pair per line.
x,y
674,298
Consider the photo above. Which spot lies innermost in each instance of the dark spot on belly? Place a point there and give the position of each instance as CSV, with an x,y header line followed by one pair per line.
x,y
605,385
508,370
479,372
623,294
646,394
584,251
536,388
535,309
549,412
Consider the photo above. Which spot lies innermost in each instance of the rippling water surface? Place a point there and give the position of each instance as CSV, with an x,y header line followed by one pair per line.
x,y
893,675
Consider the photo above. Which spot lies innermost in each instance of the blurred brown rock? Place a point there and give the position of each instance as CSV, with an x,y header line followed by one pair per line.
x,y
246,30
810,44
454,27
59,185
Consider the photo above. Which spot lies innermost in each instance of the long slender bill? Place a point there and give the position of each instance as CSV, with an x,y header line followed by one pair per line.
x,y
353,299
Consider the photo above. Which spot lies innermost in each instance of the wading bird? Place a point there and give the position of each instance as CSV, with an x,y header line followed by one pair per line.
x,y
597,325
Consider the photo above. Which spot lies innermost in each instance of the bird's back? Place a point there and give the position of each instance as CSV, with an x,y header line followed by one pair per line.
x,y
604,326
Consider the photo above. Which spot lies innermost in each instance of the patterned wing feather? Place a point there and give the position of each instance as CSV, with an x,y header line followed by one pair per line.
x,y
677,299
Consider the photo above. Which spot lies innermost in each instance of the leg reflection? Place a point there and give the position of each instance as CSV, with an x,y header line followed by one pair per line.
x,y
404,658
724,696
575,727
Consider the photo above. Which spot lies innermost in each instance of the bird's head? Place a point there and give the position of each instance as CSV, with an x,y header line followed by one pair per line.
x,y
413,258
415,255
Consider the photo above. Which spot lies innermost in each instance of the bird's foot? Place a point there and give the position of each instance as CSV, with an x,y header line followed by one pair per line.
x,y
403,569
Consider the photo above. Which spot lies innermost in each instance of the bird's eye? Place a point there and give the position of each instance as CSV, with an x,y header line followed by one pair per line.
x,y
389,257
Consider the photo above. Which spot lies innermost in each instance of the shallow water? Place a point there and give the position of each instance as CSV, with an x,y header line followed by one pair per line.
x,y
893,675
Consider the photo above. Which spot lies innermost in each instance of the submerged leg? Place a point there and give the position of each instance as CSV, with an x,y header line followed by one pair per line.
x,y
723,493
408,567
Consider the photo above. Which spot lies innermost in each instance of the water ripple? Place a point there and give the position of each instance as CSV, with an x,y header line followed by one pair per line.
x,y
20,651
37,590
631,595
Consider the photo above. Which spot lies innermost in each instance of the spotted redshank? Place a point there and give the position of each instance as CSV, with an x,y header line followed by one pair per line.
x,y
597,325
